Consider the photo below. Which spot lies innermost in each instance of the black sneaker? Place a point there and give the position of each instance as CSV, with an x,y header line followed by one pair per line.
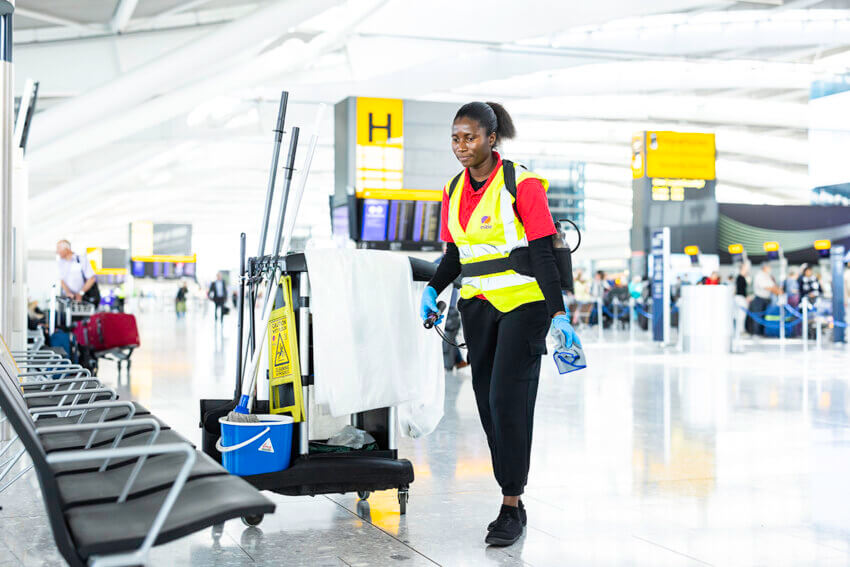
x,y
522,516
508,528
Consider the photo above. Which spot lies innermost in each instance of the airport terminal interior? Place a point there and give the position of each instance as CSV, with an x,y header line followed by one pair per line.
x,y
390,283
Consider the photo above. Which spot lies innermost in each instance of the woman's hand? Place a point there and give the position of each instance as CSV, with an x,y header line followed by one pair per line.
x,y
563,330
429,304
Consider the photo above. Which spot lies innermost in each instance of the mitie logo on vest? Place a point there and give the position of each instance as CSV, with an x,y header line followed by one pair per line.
x,y
486,222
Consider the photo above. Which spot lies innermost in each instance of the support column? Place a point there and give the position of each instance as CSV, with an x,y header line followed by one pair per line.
x,y
7,119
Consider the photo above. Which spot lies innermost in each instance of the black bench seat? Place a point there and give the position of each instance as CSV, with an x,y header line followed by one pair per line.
x,y
155,486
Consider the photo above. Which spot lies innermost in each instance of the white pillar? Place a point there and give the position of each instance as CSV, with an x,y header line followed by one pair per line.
x,y
17,339
7,118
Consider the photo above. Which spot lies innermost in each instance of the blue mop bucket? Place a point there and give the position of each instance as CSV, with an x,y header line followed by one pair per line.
x,y
256,448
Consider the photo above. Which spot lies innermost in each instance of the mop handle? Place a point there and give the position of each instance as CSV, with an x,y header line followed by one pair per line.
x,y
287,183
278,137
247,399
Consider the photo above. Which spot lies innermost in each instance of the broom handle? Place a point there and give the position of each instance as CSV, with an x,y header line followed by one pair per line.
x,y
278,138
299,193
241,309
302,180
248,387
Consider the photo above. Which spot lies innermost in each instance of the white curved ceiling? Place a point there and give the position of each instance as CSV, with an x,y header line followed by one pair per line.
x,y
163,109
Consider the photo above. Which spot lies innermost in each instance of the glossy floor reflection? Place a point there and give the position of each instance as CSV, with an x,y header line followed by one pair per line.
x,y
649,457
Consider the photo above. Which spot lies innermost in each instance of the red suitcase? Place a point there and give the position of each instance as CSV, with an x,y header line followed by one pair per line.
x,y
108,330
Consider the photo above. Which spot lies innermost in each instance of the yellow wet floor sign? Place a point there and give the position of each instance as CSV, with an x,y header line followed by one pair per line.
x,y
284,369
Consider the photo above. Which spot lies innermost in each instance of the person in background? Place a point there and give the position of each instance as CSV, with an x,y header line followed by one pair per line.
x,y
635,287
180,300
763,287
76,274
741,300
234,299
676,289
581,288
792,289
599,286
218,295
120,297
581,293
713,279
35,316
810,287
452,356
847,284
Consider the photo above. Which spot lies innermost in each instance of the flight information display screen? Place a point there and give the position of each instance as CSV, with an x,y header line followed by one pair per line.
x,y
166,270
396,221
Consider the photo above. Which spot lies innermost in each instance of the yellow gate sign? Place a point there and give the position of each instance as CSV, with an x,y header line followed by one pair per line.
x,y
284,369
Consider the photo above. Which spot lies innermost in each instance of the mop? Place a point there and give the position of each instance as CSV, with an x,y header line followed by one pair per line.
x,y
242,413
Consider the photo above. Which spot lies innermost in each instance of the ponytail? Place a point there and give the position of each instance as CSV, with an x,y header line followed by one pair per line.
x,y
492,116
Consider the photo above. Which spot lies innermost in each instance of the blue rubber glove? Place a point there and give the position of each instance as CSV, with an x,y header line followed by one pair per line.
x,y
562,328
429,304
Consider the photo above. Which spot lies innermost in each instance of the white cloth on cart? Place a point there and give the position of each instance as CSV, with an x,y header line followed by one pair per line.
x,y
369,347
421,416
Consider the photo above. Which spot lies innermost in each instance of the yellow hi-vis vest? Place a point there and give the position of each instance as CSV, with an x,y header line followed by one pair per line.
x,y
493,231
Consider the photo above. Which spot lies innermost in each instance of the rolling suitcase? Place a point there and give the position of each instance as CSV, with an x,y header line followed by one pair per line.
x,y
64,341
108,330
771,315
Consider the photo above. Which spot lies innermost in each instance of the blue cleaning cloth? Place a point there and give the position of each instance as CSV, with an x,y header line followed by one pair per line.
x,y
570,359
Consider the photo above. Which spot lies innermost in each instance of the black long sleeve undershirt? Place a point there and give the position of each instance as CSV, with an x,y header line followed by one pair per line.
x,y
542,257
448,270
545,270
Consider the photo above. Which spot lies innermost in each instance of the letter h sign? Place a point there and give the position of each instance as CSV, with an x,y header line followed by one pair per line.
x,y
373,126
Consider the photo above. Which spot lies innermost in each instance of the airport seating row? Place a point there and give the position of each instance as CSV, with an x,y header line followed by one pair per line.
x,y
115,479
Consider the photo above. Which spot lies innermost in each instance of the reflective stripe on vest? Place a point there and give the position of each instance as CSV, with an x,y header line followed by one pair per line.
x,y
492,232
490,283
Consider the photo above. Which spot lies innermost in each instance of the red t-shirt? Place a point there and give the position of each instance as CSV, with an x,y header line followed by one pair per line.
x,y
532,206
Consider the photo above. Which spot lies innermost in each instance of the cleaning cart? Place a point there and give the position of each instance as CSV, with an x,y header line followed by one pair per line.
x,y
311,469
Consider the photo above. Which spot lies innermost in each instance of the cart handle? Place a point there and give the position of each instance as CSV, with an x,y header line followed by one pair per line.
x,y
242,444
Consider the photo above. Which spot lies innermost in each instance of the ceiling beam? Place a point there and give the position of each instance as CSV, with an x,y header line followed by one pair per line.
x,y
57,20
136,89
185,6
121,17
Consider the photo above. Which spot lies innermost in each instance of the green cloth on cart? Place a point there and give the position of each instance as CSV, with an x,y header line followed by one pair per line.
x,y
319,447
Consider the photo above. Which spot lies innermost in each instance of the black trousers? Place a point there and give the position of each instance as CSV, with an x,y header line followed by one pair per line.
x,y
504,353
219,309
758,305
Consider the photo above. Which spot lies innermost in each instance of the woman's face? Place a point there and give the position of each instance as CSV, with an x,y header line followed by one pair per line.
x,y
470,142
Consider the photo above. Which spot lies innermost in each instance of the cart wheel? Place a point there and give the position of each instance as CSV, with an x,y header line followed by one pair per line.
x,y
363,494
403,497
252,520
217,531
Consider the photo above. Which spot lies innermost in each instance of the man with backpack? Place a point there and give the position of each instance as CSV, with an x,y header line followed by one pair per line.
x,y
76,274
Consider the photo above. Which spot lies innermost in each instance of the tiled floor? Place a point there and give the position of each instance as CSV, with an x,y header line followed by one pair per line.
x,y
649,457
